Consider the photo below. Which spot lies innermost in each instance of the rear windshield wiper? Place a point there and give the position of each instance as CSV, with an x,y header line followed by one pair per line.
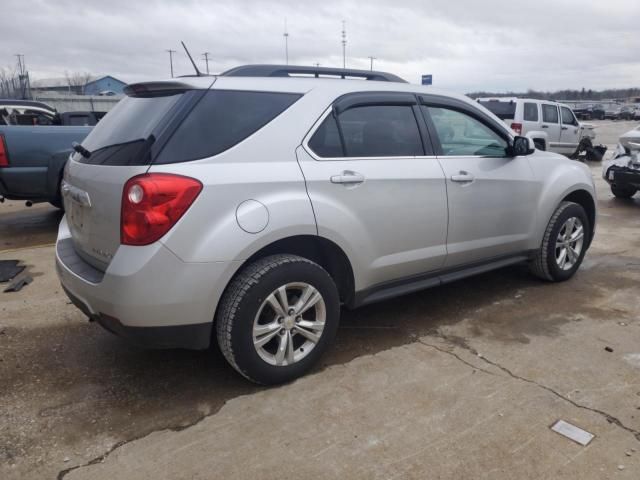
x,y
81,150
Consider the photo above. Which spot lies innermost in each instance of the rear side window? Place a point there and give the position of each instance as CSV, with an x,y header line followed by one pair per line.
x,y
222,119
369,131
549,114
530,112
502,110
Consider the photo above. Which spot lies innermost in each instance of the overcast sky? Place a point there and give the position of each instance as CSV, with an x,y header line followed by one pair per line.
x,y
467,45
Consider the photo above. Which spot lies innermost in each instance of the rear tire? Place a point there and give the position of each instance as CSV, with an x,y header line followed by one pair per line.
x,y
540,145
623,192
268,325
564,244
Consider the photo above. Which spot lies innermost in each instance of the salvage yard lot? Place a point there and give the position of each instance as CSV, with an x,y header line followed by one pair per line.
x,y
462,381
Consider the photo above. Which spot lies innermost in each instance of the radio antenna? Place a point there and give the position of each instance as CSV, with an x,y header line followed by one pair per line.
x,y
198,72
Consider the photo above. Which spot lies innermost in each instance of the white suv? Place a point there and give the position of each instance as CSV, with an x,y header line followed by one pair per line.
x,y
246,209
552,126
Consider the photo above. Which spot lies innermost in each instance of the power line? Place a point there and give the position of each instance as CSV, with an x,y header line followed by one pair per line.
x,y
206,60
372,59
171,52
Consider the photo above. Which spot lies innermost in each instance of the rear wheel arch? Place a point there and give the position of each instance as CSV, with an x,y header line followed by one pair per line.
x,y
320,250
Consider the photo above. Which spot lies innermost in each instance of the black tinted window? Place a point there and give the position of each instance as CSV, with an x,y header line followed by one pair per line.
x,y
220,120
549,114
380,131
531,112
567,116
501,109
326,141
132,119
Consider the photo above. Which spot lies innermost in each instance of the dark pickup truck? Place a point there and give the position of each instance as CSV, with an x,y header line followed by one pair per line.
x,y
32,160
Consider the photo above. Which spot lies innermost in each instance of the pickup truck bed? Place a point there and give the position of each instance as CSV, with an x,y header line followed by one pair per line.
x,y
36,156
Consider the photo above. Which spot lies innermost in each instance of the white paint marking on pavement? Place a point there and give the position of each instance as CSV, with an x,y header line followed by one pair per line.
x,y
572,432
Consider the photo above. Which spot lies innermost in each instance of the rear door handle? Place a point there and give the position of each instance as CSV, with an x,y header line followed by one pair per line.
x,y
348,178
545,126
462,177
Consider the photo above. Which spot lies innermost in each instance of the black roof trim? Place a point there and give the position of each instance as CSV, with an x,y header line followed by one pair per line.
x,y
319,72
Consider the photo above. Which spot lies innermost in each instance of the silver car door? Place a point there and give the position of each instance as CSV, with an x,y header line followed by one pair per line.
x,y
375,191
491,196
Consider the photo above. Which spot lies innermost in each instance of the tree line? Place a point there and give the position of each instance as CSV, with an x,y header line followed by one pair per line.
x,y
584,94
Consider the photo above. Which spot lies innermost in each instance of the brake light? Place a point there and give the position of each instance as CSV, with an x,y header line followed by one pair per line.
x,y
4,154
517,127
152,203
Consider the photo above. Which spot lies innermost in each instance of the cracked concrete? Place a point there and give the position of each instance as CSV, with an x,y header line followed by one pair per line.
x,y
462,381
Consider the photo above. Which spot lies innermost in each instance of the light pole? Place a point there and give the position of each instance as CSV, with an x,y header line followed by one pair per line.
x,y
171,52
344,45
286,42
372,59
206,60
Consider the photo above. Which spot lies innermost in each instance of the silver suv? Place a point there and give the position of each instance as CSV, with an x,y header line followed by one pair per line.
x,y
249,207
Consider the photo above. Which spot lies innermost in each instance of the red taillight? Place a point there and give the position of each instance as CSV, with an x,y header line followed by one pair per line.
x,y
4,154
517,127
152,203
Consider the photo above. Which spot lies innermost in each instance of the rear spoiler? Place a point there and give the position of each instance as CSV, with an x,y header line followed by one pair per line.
x,y
156,89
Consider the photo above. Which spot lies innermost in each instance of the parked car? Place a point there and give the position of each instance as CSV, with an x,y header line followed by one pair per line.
x,y
32,160
552,126
588,111
625,113
622,173
25,112
246,209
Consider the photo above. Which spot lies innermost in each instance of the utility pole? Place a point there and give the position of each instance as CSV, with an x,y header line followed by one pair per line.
x,y
171,52
206,60
344,45
286,42
317,64
372,59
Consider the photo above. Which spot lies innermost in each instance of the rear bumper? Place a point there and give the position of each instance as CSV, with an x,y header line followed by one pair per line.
x,y
24,183
147,294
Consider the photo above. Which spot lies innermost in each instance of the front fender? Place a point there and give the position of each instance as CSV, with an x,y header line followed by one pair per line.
x,y
562,178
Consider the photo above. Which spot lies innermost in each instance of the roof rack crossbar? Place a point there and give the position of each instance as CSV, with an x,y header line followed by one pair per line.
x,y
317,72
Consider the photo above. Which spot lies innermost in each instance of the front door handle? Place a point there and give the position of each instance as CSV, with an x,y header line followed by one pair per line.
x,y
565,128
348,178
462,177
545,126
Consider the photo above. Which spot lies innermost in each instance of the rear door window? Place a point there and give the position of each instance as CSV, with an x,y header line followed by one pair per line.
x,y
220,120
530,112
549,113
369,131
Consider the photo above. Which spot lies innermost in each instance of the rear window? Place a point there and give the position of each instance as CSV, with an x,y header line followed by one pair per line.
x,y
121,135
222,119
502,110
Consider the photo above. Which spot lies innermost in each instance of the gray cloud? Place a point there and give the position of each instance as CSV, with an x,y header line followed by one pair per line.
x,y
466,44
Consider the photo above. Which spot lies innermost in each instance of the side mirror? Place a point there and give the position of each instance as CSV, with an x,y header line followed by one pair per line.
x,y
520,146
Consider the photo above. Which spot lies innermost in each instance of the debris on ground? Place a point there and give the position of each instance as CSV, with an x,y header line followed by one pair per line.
x,y
572,432
17,285
9,269
608,349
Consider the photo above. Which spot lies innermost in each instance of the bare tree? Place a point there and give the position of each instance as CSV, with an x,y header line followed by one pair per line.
x,y
77,81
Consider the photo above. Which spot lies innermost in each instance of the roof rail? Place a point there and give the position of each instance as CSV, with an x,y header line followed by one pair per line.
x,y
318,72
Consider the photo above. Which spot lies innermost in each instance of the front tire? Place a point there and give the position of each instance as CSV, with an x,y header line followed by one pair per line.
x,y
564,244
277,317
623,192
